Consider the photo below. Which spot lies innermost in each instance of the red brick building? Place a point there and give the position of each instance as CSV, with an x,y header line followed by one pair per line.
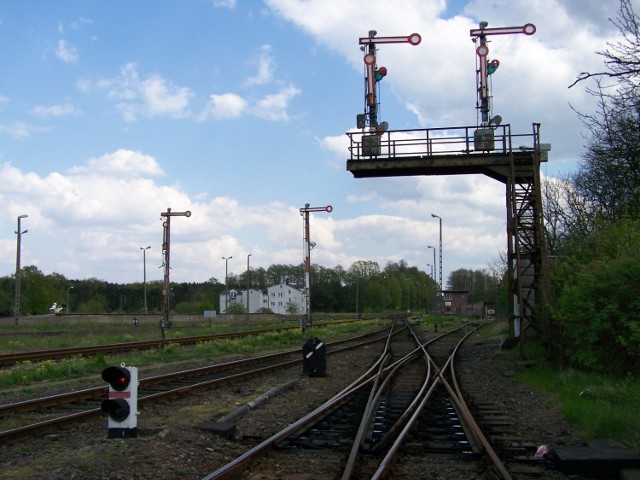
x,y
454,300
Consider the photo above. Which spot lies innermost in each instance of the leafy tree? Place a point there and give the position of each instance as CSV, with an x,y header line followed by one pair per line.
x,y
598,307
235,308
364,268
622,58
608,179
481,284
600,310
292,307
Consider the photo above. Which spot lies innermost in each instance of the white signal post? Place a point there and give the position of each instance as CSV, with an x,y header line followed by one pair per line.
x,y
483,52
369,45
166,322
306,317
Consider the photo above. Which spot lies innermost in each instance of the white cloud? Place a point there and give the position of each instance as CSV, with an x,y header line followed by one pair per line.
x,y
224,3
56,110
150,97
264,66
161,99
227,105
120,164
21,130
274,107
66,52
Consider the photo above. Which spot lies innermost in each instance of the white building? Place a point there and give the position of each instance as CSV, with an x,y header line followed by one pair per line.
x,y
282,298
283,295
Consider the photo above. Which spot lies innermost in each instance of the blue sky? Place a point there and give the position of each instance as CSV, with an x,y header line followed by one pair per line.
x,y
111,112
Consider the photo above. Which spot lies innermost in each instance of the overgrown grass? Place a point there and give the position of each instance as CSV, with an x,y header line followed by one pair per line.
x,y
26,373
45,336
601,407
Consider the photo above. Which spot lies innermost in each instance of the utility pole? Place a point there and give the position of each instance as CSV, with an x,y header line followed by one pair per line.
x,y
248,284
144,274
16,306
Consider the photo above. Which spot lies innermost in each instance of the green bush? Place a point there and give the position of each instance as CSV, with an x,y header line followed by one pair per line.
x,y
235,308
600,311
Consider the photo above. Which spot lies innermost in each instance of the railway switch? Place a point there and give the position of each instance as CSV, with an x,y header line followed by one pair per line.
x,y
314,358
122,404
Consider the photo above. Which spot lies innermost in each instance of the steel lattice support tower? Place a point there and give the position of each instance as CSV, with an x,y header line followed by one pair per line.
x,y
454,151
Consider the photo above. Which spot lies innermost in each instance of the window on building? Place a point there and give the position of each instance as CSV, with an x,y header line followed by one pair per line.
x,y
447,296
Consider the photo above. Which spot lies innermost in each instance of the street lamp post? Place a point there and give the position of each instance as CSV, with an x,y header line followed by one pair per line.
x,y
248,283
440,259
226,282
433,273
144,273
16,306
68,288
384,297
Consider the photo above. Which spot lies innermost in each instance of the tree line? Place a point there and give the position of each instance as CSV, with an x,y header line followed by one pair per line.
x,y
363,287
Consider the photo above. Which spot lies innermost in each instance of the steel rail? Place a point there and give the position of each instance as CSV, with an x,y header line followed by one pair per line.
x,y
235,467
376,376
70,397
465,416
55,353
488,448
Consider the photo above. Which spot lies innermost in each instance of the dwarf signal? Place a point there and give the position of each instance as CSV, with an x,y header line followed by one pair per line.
x,y
122,404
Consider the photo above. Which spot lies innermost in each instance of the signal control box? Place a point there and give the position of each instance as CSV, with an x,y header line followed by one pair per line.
x,y
483,140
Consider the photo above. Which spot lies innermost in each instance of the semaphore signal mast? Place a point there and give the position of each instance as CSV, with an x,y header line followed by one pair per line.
x,y
373,75
486,67
483,138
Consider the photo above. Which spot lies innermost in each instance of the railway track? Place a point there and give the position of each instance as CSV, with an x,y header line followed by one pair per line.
x,y
38,415
7,359
403,418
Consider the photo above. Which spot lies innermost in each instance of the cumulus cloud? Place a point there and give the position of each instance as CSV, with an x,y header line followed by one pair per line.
x,y
274,106
119,164
264,66
147,97
66,52
227,105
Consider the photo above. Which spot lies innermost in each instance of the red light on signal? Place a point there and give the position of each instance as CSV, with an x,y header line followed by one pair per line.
x,y
117,377
122,404
380,73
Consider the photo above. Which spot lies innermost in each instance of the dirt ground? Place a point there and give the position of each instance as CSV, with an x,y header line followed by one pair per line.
x,y
169,447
